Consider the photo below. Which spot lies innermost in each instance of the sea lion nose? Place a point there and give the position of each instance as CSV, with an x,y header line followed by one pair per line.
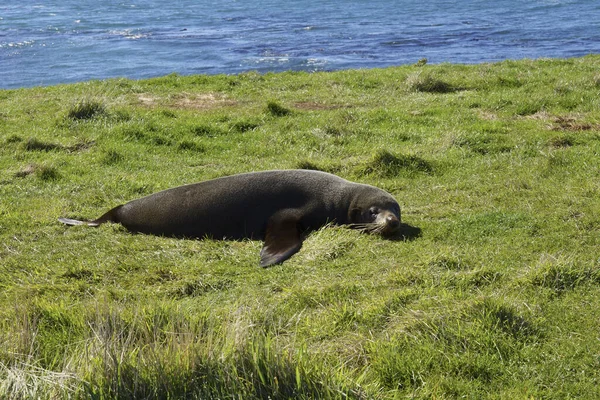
x,y
392,221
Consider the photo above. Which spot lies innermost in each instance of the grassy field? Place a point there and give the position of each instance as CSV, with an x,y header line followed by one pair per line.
x,y
498,165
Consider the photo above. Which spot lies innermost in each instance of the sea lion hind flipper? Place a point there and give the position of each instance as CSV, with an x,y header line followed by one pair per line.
x,y
282,240
76,222
106,217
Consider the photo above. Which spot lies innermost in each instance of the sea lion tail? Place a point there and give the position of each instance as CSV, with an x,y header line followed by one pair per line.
x,y
107,217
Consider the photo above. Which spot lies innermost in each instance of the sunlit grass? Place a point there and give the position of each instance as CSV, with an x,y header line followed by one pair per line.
x,y
498,297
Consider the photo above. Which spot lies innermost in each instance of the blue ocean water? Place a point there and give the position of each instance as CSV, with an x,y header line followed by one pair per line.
x,y
46,42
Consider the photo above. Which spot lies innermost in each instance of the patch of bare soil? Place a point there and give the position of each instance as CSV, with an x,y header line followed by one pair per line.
x,y
571,124
568,123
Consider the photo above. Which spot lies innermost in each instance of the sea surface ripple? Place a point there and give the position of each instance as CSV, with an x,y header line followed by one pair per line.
x,y
60,41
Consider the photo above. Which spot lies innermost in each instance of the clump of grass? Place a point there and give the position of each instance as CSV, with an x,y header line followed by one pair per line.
x,y
202,357
201,287
47,173
159,140
112,157
168,113
561,142
277,110
477,346
422,62
483,143
148,133
86,109
385,164
562,275
471,279
530,107
121,115
207,130
556,162
333,131
81,145
451,263
308,165
13,139
499,315
43,172
427,83
509,81
321,166
244,126
33,144
188,145
79,273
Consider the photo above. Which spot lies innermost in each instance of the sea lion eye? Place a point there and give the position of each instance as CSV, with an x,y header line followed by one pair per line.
x,y
373,212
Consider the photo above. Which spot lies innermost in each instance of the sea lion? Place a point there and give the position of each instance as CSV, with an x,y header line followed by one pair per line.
x,y
275,206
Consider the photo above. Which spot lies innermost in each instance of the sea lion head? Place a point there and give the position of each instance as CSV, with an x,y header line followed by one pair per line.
x,y
375,211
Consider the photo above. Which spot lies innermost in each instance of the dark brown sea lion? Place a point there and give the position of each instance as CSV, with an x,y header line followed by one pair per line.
x,y
275,206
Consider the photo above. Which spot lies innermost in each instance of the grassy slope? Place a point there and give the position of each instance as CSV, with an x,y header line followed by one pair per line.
x,y
499,297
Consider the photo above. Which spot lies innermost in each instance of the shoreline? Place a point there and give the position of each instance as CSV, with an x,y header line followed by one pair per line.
x,y
252,71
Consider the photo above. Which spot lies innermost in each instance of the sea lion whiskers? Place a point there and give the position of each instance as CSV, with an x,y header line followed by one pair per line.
x,y
369,227
375,228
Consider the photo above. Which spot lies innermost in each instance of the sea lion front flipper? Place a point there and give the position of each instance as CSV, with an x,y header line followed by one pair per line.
x,y
282,240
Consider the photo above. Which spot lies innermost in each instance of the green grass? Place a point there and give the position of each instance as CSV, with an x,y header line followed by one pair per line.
x,y
499,297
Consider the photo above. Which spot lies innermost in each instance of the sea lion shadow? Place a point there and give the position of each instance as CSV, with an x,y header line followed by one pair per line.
x,y
405,233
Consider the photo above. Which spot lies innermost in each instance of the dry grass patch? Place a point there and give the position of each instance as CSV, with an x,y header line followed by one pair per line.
x,y
487,115
314,106
540,115
201,101
572,124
